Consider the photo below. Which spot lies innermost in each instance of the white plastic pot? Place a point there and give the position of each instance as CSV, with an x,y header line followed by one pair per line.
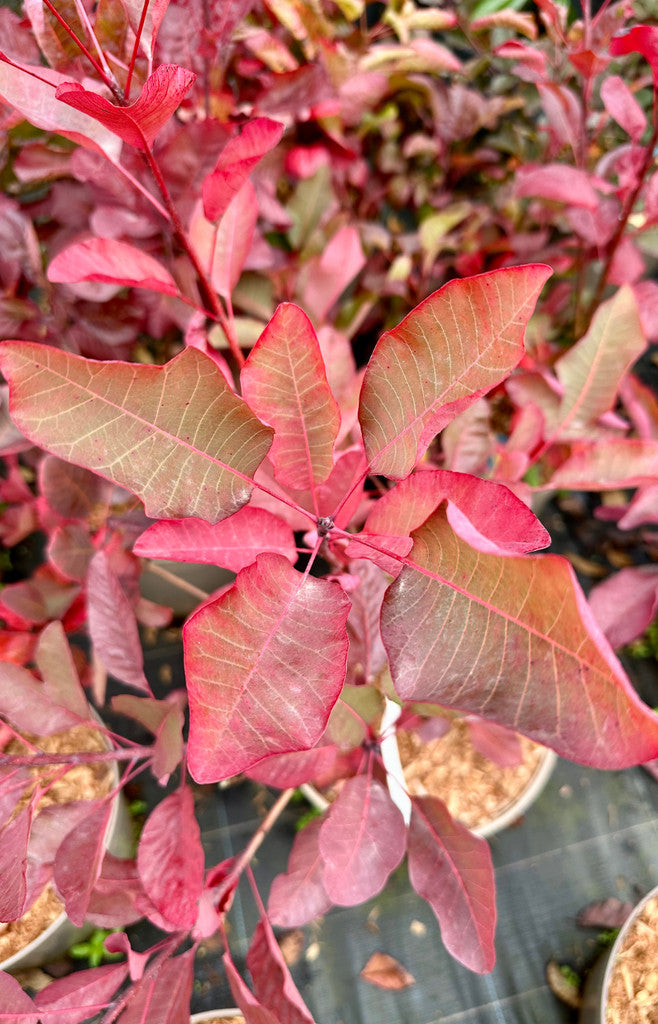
x,y
201,1018
61,934
595,993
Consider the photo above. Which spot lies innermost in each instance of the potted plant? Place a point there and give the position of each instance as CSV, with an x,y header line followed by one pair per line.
x,y
374,518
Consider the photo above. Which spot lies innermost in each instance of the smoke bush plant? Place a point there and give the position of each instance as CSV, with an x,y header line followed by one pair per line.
x,y
379,550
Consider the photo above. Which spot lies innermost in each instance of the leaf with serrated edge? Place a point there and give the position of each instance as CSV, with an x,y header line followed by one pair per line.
x,y
265,664
512,639
285,383
175,435
449,351
451,868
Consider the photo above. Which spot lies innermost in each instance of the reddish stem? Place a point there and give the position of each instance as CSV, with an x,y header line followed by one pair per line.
x,y
133,56
78,42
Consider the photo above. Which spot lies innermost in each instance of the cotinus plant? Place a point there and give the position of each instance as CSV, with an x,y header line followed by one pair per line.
x,y
368,569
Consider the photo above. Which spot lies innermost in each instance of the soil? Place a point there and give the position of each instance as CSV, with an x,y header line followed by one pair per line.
x,y
633,987
81,782
474,789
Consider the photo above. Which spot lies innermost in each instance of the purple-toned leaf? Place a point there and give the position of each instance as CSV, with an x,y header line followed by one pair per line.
x,y
234,543
139,123
236,161
77,997
78,860
16,1007
70,551
610,913
107,259
13,865
171,870
253,1011
27,705
285,770
608,465
512,639
285,384
175,435
31,90
362,840
455,346
273,984
500,522
49,829
299,896
497,744
621,104
118,896
165,719
223,247
155,12
54,661
451,868
559,183
39,599
591,370
366,657
265,664
626,603
112,625
72,491
164,994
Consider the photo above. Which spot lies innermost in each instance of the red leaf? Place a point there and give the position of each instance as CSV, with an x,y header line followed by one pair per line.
x,y
234,543
254,1012
162,995
78,860
223,247
54,661
155,12
626,603
273,984
175,434
385,972
285,384
139,123
455,346
497,744
70,551
532,658
236,161
31,90
27,704
49,829
451,868
13,865
366,657
330,274
265,664
80,995
641,39
171,870
165,720
112,625
16,1007
72,491
621,104
299,895
118,897
106,259
559,183
362,840
285,770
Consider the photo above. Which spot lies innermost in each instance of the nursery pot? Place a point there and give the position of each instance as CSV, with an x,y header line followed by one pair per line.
x,y
627,971
54,940
208,1016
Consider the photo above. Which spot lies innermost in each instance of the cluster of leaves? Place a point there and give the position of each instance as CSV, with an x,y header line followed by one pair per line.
x,y
224,237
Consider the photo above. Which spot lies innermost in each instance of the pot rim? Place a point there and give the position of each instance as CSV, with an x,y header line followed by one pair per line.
x,y
205,1015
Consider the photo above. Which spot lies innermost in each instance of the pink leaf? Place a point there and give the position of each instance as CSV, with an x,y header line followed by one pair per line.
x,y
265,664
234,543
502,746
626,603
16,1007
272,981
455,346
499,521
155,12
518,645
164,994
171,870
175,434
223,247
13,865
236,161
341,261
451,868
361,842
118,897
608,465
252,1009
285,383
559,183
112,625
78,860
77,997
139,123
299,896
70,551
641,39
106,259
49,829
31,90
71,491
621,104
284,770
54,661
366,658
27,704
164,718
